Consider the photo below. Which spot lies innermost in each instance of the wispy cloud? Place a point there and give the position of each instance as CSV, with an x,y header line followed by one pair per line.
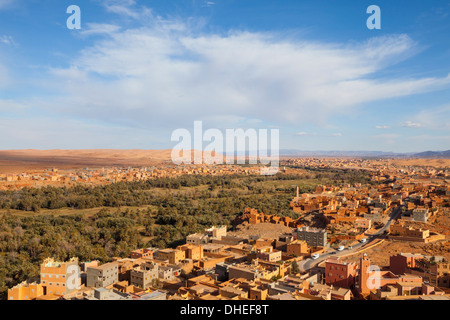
x,y
100,28
382,127
167,72
303,133
127,8
411,124
8,40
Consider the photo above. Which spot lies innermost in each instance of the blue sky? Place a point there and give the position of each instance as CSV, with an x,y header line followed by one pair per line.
x,y
137,70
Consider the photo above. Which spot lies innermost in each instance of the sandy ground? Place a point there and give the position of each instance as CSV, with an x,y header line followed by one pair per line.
x,y
380,254
26,160
438,163
265,230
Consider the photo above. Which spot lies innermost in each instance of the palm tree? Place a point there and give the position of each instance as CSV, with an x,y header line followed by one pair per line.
x,y
294,267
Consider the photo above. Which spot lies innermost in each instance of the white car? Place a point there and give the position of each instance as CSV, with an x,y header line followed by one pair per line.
x,y
341,248
363,240
315,256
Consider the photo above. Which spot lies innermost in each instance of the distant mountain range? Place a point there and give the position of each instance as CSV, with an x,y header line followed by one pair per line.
x,y
369,154
433,154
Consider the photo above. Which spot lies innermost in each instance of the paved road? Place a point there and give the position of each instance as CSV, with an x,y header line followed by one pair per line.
x,y
310,263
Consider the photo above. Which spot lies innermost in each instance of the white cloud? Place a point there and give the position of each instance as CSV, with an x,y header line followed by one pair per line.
x,y
8,40
126,8
382,127
166,72
411,124
100,28
303,133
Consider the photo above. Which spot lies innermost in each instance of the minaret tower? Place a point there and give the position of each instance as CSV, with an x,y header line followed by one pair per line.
x,y
364,275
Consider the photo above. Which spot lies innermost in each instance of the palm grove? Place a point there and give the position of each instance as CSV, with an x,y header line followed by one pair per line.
x,y
131,215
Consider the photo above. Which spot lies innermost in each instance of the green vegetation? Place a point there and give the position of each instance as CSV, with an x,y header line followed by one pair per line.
x,y
102,222
294,267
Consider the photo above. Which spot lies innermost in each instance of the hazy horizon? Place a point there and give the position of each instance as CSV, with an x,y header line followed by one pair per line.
x,y
239,151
